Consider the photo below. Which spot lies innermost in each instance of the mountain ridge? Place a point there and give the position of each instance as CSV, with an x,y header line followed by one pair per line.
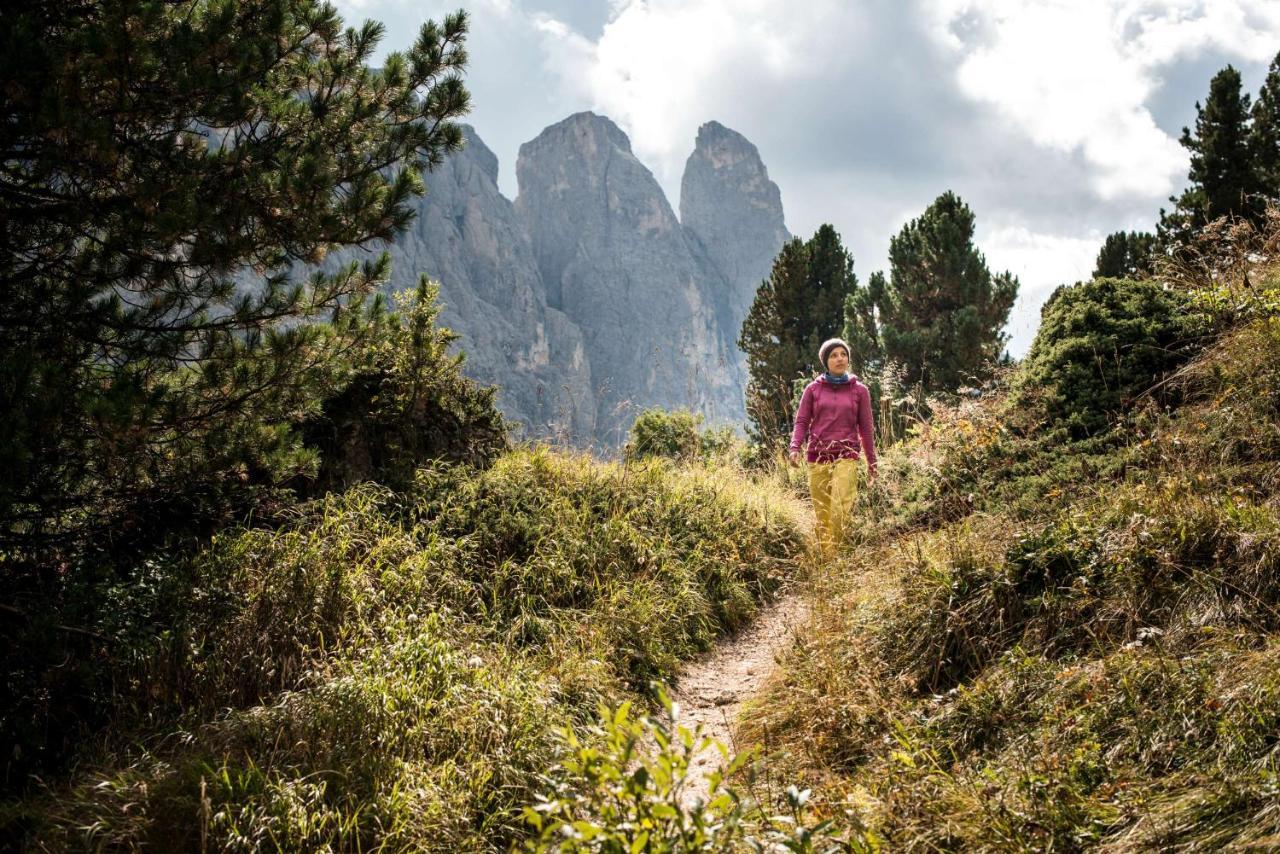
x,y
586,299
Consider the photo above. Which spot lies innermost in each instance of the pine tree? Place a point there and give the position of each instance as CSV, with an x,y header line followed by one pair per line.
x,y
167,164
941,313
1224,178
862,327
819,310
1126,255
798,307
1264,134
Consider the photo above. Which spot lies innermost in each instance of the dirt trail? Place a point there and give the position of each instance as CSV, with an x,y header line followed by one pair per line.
x,y
712,689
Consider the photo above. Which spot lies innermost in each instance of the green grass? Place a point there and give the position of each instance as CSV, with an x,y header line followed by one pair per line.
x,y
390,671
1040,644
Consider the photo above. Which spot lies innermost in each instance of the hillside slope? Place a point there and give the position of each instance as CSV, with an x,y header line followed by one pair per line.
x,y
1050,638
391,670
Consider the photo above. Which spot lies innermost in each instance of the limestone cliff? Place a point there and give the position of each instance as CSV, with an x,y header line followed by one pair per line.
x,y
728,202
617,262
466,236
587,301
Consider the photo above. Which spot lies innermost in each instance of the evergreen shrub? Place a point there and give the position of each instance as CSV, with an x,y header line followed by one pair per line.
x,y
1101,344
674,435
404,403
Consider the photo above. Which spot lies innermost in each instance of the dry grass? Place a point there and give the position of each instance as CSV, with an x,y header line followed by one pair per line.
x,y
1050,645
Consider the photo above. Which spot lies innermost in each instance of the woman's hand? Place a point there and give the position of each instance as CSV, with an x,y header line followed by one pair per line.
x,y
794,458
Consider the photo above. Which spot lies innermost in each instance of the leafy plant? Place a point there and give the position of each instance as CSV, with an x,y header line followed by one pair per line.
x,y
674,435
622,792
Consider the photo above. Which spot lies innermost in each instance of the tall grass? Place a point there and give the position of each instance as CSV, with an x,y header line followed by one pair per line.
x,y
390,670
1046,644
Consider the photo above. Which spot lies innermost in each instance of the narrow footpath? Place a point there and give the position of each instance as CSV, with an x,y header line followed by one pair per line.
x,y
711,690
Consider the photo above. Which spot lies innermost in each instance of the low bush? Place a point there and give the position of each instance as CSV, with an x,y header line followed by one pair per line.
x,y
403,402
622,791
990,455
1103,343
674,435
391,667
428,735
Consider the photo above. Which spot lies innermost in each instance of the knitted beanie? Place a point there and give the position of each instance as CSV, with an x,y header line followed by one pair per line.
x,y
826,348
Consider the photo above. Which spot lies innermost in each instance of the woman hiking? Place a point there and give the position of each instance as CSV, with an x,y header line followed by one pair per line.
x,y
835,417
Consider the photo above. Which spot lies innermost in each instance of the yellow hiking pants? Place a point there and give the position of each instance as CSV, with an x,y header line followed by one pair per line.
x,y
833,487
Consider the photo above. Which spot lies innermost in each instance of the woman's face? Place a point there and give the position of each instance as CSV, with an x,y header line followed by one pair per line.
x,y
838,361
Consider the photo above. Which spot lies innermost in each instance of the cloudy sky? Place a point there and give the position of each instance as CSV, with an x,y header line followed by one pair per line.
x,y
1055,120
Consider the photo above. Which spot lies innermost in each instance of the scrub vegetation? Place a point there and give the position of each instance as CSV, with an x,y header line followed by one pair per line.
x,y
275,577
393,669
1055,627
1059,628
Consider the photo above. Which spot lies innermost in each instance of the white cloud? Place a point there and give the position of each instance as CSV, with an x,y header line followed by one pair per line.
x,y
1244,28
663,67
1075,75
1073,78
1041,262
1039,113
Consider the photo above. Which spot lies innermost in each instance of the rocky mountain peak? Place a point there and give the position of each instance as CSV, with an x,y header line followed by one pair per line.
x,y
615,260
725,147
483,156
587,158
586,130
732,208
586,301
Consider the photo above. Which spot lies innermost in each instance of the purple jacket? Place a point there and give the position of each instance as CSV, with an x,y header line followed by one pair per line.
x,y
836,419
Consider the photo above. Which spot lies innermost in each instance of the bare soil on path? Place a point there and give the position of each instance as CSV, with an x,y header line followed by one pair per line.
x,y
711,690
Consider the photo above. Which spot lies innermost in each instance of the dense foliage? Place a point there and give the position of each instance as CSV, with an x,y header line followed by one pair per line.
x,y
674,435
167,164
1235,150
1264,132
391,668
403,402
795,310
623,791
940,313
1100,345
1126,255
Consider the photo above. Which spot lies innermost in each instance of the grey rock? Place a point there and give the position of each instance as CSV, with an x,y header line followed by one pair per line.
x,y
734,210
618,263
466,237
586,301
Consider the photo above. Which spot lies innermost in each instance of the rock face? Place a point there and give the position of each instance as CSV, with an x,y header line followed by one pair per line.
x,y
735,213
587,301
618,263
466,237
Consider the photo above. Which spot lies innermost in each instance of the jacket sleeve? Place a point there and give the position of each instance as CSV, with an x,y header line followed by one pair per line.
x,y
866,428
804,413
